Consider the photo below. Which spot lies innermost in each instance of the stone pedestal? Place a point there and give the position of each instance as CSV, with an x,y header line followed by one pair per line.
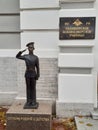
x,y
29,119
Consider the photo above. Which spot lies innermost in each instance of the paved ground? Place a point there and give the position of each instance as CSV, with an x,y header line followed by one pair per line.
x,y
82,123
63,124
57,124
86,123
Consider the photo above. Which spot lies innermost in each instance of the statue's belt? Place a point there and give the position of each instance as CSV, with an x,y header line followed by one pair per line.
x,y
29,69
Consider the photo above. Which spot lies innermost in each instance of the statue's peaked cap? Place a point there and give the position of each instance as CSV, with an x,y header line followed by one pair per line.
x,y
30,43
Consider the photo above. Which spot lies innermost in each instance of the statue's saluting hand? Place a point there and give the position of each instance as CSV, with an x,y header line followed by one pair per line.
x,y
24,50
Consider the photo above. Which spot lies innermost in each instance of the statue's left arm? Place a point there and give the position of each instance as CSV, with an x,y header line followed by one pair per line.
x,y
37,69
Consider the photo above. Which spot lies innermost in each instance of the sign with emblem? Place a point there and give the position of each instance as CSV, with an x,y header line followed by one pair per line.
x,y
77,28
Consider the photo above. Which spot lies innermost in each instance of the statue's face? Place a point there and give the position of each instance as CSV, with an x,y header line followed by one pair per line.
x,y
30,48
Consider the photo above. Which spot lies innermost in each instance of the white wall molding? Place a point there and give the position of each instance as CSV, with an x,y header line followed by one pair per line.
x,y
76,60
38,30
39,19
76,43
8,52
76,88
77,13
39,4
69,1
38,8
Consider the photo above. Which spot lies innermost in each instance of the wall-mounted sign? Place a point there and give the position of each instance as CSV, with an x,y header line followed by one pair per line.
x,y
77,28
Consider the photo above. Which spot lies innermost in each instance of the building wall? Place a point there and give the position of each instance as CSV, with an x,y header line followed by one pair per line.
x,y
47,83
77,73
8,80
9,24
9,39
39,22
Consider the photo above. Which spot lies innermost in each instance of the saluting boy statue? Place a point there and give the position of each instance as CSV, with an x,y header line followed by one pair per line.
x,y
31,75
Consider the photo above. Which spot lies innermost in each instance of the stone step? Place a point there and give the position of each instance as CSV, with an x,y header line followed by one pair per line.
x,y
86,123
7,98
95,114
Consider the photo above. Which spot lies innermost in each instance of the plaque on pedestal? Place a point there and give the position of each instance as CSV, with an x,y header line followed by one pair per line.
x,y
29,119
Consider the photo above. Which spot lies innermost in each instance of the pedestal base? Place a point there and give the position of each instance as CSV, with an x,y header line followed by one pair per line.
x,y
29,119
35,106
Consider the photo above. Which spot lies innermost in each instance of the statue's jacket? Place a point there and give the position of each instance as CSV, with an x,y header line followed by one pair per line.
x,y
32,64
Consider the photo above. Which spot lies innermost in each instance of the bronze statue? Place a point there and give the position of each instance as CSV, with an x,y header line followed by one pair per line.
x,y
31,75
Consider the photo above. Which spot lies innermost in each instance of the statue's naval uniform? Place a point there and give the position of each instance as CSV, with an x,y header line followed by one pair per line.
x,y
31,75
